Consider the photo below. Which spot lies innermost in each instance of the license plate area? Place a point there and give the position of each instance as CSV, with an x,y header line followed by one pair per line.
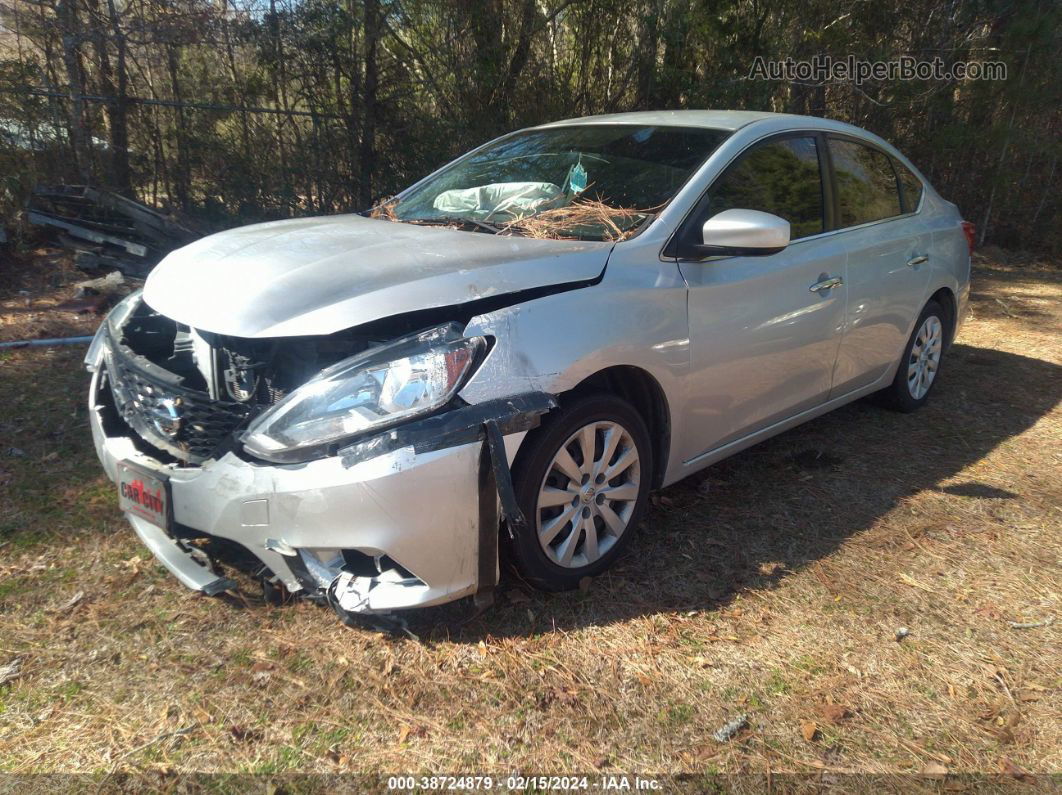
x,y
145,494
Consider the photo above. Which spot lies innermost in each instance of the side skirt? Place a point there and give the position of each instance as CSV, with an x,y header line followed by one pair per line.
x,y
725,451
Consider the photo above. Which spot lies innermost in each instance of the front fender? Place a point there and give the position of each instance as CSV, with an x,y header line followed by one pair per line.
x,y
636,316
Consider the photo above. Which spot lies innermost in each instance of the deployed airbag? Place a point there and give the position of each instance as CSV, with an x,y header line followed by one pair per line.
x,y
515,198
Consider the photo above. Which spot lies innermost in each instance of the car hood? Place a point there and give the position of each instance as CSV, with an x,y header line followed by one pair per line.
x,y
322,275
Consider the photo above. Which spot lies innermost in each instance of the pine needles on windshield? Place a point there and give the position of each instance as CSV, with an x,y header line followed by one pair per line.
x,y
385,210
585,218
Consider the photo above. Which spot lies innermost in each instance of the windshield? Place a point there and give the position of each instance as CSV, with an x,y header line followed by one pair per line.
x,y
598,182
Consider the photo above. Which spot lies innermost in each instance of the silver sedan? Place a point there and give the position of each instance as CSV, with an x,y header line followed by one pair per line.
x,y
505,358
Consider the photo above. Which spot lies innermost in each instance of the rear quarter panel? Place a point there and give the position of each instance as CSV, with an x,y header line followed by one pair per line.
x,y
949,253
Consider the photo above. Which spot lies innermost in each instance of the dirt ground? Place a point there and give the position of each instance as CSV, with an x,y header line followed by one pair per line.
x,y
777,585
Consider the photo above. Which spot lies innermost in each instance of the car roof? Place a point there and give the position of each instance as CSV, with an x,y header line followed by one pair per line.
x,y
714,119
757,122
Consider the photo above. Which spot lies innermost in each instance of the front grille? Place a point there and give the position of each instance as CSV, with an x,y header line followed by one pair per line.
x,y
184,422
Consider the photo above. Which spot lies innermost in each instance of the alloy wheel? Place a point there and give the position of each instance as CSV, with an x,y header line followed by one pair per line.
x,y
588,495
924,361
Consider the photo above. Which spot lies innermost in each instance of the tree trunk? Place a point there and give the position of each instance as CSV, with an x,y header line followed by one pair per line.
x,y
182,178
368,105
234,75
648,40
286,191
116,87
69,24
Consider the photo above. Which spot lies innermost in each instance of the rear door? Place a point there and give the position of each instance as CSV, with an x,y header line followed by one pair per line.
x,y
888,259
762,342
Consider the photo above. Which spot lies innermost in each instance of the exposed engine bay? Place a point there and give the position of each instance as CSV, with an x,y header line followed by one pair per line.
x,y
215,383
257,372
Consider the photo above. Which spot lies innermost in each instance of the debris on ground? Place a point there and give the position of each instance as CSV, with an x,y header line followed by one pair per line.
x,y
97,295
728,730
1032,624
809,730
835,713
105,230
71,603
817,459
935,770
902,633
110,283
10,671
95,304
1008,768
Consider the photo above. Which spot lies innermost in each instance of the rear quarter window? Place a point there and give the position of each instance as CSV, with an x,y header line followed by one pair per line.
x,y
910,187
867,188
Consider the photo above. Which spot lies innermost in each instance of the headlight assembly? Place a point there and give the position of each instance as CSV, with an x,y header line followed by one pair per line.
x,y
410,377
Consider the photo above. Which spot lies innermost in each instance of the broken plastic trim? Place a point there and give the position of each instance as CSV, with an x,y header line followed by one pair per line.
x,y
379,622
488,423
459,426
495,478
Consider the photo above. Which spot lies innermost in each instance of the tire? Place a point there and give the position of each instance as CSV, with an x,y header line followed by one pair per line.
x,y
922,359
544,552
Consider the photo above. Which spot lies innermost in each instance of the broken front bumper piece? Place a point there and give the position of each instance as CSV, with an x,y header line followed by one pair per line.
x,y
406,518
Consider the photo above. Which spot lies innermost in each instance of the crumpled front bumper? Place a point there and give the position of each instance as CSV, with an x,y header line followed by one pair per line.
x,y
411,497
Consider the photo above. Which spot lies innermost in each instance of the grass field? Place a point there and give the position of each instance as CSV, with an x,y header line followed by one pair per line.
x,y
772,585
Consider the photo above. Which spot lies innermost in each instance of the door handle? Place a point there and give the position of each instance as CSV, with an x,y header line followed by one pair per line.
x,y
914,262
826,284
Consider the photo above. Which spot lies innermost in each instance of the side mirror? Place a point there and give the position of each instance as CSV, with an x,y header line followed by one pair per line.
x,y
744,233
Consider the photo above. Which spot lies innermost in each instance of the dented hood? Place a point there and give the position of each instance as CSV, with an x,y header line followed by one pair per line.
x,y
322,275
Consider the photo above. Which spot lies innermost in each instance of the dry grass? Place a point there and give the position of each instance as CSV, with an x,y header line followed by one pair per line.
x,y
771,585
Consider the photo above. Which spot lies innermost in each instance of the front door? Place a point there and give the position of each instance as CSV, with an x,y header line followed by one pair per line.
x,y
764,331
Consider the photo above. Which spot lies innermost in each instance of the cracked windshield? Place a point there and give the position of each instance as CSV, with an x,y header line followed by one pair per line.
x,y
589,182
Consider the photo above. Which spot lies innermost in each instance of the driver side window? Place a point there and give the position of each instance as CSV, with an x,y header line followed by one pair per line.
x,y
781,177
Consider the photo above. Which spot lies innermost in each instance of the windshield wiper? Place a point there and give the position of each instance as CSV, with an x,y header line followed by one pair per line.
x,y
446,220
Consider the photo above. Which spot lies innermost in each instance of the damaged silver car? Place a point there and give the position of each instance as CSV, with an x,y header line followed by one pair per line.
x,y
514,351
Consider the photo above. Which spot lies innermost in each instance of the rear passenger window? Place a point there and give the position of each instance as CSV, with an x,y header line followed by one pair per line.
x,y
867,189
781,177
910,187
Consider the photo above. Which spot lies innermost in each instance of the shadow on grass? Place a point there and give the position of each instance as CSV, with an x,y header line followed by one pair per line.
x,y
753,519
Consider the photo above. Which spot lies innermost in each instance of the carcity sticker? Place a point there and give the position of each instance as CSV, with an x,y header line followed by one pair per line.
x,y
142,495
138,493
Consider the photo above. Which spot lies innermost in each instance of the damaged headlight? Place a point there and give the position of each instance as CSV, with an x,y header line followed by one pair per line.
x,y
114,321
407,378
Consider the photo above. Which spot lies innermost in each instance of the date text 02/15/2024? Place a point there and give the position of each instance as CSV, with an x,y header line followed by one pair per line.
x,y
517,783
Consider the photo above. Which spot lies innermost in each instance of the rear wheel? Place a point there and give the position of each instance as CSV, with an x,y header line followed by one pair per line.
x,y
920,367
582,481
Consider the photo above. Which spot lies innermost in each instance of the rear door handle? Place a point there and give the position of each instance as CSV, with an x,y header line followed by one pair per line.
x,y
826,284
916,261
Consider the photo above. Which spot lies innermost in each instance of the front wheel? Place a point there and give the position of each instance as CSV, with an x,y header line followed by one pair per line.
x,y
582,481
920,366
